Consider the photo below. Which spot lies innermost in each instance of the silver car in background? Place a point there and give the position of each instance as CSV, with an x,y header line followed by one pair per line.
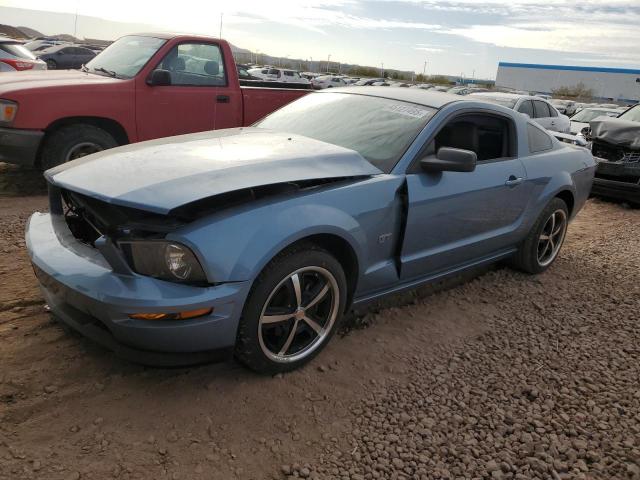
x,y
536,108
14,57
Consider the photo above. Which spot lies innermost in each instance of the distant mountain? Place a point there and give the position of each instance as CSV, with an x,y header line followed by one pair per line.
x,y
12,32
30,32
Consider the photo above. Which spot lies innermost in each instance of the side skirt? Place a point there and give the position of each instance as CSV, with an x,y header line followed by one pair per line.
x,y
415,283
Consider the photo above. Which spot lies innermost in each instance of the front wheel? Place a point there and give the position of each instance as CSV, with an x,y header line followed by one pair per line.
x,y
542,245
292,310
74,141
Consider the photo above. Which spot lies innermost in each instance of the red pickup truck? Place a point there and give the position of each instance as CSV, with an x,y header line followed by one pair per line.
x,y
141,87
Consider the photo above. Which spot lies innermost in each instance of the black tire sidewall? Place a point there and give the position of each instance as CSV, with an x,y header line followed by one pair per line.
x,y
248,349
528,256
61,141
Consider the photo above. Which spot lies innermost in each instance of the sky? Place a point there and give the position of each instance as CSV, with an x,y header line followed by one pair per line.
x,y
459,37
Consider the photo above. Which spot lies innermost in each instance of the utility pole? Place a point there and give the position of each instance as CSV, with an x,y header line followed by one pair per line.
x,y
75,25
221,14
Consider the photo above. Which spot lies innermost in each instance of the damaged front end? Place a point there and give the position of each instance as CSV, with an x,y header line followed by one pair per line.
x,y
134,240
616,147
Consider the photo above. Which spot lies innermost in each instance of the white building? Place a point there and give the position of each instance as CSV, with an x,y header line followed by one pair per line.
x,y
619,84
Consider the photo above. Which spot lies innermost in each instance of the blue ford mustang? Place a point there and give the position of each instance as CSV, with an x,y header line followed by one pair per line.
x,y
256,240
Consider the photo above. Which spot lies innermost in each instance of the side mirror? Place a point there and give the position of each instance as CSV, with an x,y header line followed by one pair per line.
x,y
450,160
159,78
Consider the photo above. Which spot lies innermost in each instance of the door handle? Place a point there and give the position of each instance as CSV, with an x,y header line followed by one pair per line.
x,y
512,181
223,99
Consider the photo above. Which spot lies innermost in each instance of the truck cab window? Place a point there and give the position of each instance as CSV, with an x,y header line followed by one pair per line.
x,y
195,64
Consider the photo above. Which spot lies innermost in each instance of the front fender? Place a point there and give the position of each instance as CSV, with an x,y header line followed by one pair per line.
x,y
236,246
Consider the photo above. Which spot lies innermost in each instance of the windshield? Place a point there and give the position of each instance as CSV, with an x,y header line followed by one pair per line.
x,y
504,101
379,129
585,116
632,115
125,57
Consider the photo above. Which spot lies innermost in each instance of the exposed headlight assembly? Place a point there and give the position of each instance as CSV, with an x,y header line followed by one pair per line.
x,y
8,110
165,260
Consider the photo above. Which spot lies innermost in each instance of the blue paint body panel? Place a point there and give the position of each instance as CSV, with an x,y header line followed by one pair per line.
x,y
405,227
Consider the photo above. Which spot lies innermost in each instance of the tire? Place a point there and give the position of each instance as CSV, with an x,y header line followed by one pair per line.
x,y
72,142
263,336
536,254
52,65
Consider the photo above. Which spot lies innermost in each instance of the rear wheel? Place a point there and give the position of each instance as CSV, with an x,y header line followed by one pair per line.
x,y
74,141
292,310
542,245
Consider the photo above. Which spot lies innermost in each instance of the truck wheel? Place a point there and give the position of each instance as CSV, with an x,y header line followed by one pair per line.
x,y
73,142
541,247
52,65
292,311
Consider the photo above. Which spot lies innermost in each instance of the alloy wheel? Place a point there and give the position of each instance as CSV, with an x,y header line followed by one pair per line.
x,y
82,149
298,314
551,237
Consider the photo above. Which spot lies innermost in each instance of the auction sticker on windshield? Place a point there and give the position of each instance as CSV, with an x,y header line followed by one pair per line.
x,y
407,110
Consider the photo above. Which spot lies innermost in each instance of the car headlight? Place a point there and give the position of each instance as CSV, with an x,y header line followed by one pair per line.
x,y
166,260
8,110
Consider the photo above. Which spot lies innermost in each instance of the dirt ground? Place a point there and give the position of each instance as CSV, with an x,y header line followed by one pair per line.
x,y
502,376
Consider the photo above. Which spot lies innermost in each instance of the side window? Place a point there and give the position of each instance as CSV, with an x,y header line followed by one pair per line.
x,y
288,74
489,136
68,51
195,64
539,140
552,111
541,109
526,107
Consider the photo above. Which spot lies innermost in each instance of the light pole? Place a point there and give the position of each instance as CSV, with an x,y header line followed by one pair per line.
x,y
328,60
424,69
382,69
220,35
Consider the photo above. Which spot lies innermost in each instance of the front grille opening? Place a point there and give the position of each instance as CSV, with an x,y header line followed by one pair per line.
x,y
615,154
88,219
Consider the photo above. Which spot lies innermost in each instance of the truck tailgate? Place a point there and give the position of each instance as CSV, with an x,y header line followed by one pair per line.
x,y
258,102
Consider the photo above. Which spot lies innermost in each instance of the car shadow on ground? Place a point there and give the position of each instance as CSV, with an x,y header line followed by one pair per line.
x,y
20,181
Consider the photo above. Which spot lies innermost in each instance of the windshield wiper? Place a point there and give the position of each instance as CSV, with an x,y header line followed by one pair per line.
x,y
111,73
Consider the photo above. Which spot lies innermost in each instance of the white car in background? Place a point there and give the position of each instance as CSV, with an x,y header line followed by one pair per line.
x,y
580,121
328,81
278,75
536,108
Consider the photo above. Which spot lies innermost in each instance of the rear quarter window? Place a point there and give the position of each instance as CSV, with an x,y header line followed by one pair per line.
x,y
539,140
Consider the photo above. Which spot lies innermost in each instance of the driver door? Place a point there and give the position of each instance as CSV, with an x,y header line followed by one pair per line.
x,y
456,218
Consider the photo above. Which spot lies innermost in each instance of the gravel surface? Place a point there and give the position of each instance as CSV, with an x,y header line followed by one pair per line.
x,y
503,376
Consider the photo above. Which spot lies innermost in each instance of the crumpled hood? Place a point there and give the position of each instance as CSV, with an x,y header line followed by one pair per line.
x,y
35,79
164,174
616,131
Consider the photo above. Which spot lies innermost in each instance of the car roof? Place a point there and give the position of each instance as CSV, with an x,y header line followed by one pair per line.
x,y
427,98
506,96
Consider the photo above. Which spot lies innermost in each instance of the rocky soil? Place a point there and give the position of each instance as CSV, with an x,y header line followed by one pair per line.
x,y
502,376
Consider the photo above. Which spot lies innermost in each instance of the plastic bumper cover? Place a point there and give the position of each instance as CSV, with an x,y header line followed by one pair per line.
x,y
86,294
